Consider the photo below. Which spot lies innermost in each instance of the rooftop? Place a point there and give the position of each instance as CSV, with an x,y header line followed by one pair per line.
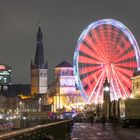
x,y
64,64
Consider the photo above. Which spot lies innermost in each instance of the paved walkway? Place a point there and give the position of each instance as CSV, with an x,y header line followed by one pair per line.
x,y
84,131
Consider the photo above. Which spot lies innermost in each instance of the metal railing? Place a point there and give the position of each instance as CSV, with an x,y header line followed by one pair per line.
x,y
58,129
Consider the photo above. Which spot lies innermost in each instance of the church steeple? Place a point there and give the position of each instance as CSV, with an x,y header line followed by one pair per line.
x,y
39,61
39,36
39,68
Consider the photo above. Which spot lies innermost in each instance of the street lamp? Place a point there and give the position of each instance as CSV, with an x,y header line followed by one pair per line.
x,y
107,103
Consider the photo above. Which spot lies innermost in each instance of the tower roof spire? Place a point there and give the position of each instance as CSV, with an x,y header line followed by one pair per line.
x,y
39,35
39,23
39,61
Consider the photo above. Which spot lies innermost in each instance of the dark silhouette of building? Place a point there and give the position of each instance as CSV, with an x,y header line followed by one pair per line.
x,y
39,78
15,90
11,95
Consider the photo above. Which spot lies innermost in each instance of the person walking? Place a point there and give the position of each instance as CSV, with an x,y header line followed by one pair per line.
x,y
91,119
103,119
115,123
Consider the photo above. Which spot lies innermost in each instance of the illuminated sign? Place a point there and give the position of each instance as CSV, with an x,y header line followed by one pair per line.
x,y
5,74
2,67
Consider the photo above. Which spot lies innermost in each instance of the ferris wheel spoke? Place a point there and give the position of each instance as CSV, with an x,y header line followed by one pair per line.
x,y
115,52
127,60
125,52
103,72
88,69
126,88
121,85
85,49
112,50
88,43
92,38
116,83
124,71
107,53
126,56
121,46
84,59
114,90
99,89
88,80
112,34
122,50
84,77
87,56
99,52
125,78
127,92
127,67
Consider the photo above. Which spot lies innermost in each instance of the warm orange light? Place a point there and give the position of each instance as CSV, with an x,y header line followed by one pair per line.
x,y
50,100
132,96
24,97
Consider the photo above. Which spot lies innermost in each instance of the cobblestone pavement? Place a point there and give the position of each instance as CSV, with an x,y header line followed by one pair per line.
x,y
84,131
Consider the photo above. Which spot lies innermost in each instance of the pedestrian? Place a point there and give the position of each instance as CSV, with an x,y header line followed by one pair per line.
x,y
115,122
91,119
103,119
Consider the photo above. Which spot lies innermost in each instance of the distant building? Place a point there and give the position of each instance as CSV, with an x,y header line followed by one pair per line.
x,y
65,85
15,90
39,69
11,97
65,81
136,85
18,98
5,75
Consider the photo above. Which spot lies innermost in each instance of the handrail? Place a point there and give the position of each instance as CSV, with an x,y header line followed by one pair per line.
x,y
28,130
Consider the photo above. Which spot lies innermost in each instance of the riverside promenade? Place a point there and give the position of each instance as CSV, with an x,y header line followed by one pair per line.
x,y
84,131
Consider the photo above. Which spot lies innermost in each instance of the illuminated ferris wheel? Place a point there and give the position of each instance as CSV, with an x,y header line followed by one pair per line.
x,y
105,49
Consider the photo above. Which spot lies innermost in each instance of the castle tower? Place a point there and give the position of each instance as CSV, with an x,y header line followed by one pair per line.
x,y
65,85
39,78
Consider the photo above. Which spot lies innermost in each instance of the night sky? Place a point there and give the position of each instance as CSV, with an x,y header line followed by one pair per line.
x,y
62,22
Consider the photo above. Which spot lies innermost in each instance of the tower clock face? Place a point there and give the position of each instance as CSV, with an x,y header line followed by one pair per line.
x,y
67,81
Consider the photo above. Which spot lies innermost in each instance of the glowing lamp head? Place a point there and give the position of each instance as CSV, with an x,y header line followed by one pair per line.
x,y
106,86
106,89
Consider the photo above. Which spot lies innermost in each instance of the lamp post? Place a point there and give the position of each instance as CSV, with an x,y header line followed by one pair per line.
x,y
119,108
107,103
